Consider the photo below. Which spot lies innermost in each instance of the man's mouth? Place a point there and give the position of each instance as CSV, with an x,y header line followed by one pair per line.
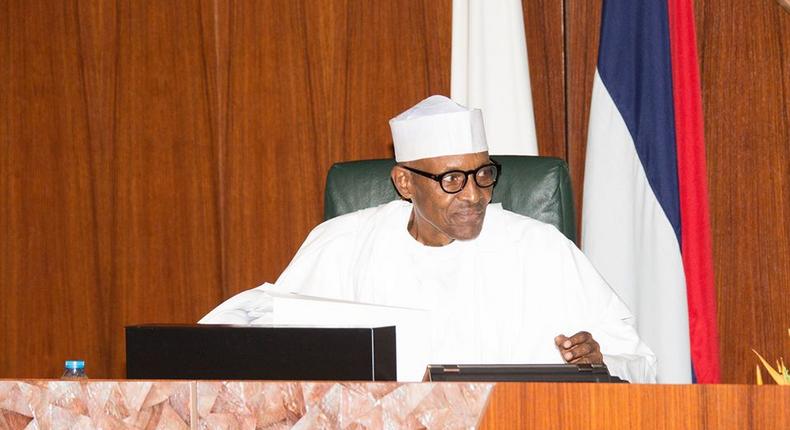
x,y
469,215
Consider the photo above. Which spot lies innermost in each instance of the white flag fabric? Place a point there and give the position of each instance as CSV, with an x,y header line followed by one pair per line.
x,y
629,239
490,71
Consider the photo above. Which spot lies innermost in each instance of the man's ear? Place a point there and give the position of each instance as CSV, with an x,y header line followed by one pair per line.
x,y
402,181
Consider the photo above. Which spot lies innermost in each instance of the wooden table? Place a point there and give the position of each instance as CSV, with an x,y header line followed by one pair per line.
x,y
623,406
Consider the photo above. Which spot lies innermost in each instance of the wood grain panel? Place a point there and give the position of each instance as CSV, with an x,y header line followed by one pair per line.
x,y
582,33
49,266
166,231
621,406
746,99
269,167
96,33
543,26
109,179
389,67
215,33
310,86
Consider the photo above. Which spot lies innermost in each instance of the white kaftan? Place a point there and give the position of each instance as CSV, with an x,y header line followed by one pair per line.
x,y
500,298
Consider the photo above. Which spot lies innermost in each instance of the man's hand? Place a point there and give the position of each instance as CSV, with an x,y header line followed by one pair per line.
x,y
579,348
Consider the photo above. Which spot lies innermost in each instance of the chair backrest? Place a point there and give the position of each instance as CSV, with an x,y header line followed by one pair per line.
x,y
538,187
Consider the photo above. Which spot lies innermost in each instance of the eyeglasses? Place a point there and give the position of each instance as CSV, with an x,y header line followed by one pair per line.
x,y
454,181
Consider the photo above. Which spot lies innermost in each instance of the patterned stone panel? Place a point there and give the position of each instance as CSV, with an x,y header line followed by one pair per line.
x,y
303,405
94,404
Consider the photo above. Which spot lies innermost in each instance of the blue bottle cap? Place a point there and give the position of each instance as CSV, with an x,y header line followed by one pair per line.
x,y
75,364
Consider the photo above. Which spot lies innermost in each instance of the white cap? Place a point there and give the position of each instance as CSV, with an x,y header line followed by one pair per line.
x,y
435,127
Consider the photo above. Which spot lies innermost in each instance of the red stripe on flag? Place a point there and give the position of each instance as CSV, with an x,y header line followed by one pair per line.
x,y
693,184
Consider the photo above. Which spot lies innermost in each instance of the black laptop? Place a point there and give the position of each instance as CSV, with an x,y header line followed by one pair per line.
x,y
177,351
520,373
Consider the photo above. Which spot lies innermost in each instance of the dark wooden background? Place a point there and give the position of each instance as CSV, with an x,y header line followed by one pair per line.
x,y
157,157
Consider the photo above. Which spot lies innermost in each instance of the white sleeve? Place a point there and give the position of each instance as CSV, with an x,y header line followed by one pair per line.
x,y
320,268
241,308
637,369
625,354
612,326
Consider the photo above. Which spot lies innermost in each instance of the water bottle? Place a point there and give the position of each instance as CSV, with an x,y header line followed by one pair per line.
x,y
74,369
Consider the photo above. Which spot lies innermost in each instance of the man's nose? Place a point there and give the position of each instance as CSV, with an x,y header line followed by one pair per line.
x,y
471,192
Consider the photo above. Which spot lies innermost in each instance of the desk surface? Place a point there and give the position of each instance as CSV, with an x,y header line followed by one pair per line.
x,y
622,406
121,404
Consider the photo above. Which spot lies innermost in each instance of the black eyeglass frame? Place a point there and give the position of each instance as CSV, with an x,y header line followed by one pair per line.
x,y
473,172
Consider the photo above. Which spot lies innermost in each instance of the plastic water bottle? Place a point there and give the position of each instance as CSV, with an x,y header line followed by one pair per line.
x,y
74,369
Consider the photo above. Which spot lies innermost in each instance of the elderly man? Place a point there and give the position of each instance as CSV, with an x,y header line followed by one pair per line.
x,y
499,287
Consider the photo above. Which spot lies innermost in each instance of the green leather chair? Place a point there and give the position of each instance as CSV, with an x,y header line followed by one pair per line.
x,y
538,187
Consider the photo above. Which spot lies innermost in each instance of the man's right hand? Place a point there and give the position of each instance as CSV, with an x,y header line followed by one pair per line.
x,y
579,348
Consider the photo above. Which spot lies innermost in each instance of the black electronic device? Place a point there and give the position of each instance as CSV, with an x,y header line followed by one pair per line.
x,y
520,373
177,351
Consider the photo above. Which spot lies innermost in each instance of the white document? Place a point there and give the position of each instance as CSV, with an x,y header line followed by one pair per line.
x,y
266,308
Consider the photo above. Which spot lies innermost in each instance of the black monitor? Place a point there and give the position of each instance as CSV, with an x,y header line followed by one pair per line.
x,y
178,351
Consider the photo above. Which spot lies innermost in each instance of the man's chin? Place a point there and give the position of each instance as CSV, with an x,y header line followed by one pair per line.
x,y
468,234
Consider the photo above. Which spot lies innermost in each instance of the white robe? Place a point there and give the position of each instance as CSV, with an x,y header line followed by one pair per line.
x,y
500,298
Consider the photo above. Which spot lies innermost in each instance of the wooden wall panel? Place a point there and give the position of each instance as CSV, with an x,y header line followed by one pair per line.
x,y
745,65
166,230
545,33
48,263
310,86
266,160
582,33
110,193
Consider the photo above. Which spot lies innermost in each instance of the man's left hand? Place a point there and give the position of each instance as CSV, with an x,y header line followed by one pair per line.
x,y
579,348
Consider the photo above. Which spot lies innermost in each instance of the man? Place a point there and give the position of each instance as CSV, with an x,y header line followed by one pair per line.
x,y
499,287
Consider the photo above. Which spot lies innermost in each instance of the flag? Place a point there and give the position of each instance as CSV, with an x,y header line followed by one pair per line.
x,y
645,221
490,71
